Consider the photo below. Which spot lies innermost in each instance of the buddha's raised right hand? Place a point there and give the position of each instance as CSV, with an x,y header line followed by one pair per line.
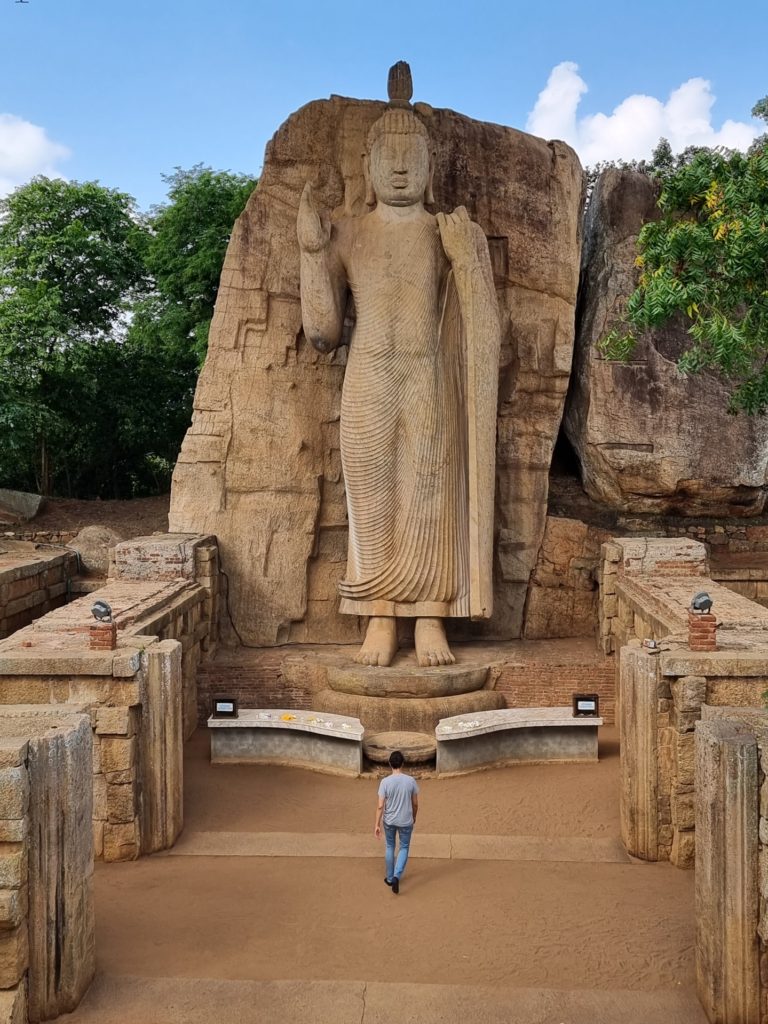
x,y
313,230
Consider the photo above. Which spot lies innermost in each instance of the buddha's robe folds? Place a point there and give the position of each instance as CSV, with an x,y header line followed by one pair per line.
x,y
405,442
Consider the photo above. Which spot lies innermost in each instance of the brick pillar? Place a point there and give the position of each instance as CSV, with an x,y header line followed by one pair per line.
x,y
103,636
702,631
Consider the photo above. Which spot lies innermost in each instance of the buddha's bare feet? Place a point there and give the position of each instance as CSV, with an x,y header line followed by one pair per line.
x,y
380,642
431,645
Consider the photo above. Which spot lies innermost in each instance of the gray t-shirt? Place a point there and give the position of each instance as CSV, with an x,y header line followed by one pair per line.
x,y
397,790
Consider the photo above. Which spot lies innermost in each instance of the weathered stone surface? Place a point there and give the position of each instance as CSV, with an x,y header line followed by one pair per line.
x,y
727,899
92,545
407,681
640,746
416,747
260,465
17,506
13,1005
563,595
643,433
160,750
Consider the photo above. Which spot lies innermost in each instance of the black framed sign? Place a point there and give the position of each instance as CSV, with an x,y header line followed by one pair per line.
x,y
224,707
586,705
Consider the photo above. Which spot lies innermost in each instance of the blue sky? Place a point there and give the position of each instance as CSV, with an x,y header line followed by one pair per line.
x,y
122,91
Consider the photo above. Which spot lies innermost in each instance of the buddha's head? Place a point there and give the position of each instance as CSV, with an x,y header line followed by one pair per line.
x,y
398,163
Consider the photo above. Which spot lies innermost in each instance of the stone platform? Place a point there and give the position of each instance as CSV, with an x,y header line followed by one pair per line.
x,y
301,739
514,736
407,681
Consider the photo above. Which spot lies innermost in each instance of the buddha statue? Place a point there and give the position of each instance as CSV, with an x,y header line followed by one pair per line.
x,y
418,411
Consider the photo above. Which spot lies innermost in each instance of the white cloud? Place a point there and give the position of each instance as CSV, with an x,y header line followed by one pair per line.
x,y
632,130
26,150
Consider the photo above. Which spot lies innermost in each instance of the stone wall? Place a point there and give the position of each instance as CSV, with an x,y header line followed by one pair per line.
x,y
47,957
732,865
33,580
663,690
260,465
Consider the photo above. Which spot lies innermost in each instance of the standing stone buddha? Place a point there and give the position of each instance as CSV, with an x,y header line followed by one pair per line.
x,y
418,412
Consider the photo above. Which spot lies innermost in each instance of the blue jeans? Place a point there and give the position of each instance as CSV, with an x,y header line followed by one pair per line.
x,y
395,870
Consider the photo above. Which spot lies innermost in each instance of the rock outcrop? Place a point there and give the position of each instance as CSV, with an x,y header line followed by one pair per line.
x,y
260,465
649,439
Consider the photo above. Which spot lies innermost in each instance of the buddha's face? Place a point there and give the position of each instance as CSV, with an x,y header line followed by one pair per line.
x,y
399,168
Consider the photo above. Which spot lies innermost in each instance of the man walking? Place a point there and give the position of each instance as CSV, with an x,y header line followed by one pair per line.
x,y
398,806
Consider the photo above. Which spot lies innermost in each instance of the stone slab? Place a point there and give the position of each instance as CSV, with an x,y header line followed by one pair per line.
x,y
280,743
128,999
464,726
320,722
408,681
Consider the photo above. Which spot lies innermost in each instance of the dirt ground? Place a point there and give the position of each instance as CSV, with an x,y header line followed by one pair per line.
x,y
514,922
128,518
528,800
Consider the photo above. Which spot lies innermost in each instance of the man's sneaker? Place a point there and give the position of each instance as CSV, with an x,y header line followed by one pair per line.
x,y
387,881
395,885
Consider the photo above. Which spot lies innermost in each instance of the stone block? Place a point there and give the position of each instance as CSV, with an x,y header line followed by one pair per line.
x,y
115,722
689,692
13,907
683,852
13,751
13,1005
121,841
683,810
14,792
13,866
14,956
121,804
684,759
100,798
13,830
98,839
117,754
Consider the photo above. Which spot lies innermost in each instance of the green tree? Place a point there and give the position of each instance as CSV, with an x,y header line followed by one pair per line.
x,y
705,262
189,237
71,254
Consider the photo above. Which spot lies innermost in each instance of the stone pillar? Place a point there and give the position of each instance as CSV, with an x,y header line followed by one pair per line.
x,y
638,689
702,631
727,897
161,747
47,956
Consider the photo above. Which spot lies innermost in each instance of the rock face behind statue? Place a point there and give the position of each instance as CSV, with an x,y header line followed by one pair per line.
x,y
648,439
260,466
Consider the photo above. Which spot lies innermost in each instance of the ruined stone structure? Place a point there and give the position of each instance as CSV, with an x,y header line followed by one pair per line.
x,y
646,588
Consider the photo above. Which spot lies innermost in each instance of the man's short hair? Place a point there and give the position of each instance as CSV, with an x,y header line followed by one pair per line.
x,y
396,759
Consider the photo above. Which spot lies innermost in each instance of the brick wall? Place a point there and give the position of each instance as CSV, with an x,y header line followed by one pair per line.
x,y
534,674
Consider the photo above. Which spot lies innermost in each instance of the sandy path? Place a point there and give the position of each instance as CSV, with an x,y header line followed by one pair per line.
x,y
565,800
455,922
